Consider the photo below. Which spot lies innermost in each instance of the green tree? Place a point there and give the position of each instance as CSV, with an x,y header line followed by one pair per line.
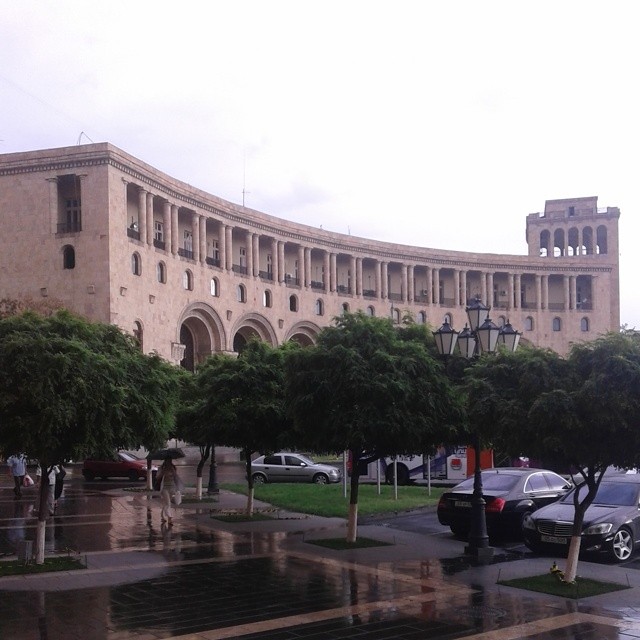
x,y
69,388
582,412
239,402
367,389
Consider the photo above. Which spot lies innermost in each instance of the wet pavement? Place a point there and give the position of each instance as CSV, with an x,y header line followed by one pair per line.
x,y
204,579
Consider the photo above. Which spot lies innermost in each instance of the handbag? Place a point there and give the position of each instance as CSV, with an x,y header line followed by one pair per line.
x,y
27,481
177,498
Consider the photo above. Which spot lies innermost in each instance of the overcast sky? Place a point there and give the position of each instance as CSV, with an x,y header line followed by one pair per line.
x,y
438,124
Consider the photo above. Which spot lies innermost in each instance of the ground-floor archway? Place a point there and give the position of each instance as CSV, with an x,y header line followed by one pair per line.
x,y
201,332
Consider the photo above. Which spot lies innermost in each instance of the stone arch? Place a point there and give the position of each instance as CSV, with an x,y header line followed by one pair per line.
x,y
252,325
201,332
304,333
601,240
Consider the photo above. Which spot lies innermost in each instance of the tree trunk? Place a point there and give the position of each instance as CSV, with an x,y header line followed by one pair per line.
x,y
149,475
43,514
204,455
247,455
212,487
352,522
572,559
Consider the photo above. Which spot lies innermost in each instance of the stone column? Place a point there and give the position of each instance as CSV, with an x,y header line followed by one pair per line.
x,y
567,293
333,274
281,264
228,232
149,236
326,273
518,291
353,276
463,288
539,292
573,289
256,255
456,288
203,238
222,244
510,291
545,292
378,274
490,292
384,281
174,229
142,214
166,223
429,284
404,282
274,260
307,267
436,286
411,291
483,288
53,204
195,236
249,242
301,267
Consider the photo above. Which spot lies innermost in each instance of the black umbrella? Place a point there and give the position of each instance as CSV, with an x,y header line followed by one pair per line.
x,y
166,454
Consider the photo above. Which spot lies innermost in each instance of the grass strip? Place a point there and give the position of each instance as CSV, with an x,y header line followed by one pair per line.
x,y
328,499
548,583
18,567
340,544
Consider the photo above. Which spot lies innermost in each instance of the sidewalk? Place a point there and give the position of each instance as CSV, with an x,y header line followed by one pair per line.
x,y
205,578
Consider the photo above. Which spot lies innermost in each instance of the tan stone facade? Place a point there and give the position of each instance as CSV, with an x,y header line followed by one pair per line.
x,y
191,274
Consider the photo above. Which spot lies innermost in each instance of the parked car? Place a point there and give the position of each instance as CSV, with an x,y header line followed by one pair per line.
x,y
292,467
611,523
510,494
121,465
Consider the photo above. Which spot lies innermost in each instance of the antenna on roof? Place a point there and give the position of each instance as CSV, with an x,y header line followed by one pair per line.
x,y
82,133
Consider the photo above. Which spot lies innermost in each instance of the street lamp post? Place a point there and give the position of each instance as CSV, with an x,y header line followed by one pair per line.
x,y
482,336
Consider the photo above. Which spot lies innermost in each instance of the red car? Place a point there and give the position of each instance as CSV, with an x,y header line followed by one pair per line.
x,y
121,465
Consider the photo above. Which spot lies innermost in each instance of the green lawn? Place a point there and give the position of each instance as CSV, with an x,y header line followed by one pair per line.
x,y
548,583
328,500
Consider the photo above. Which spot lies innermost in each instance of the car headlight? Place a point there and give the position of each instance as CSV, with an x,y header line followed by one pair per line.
x,y
598,529
333,472
529,523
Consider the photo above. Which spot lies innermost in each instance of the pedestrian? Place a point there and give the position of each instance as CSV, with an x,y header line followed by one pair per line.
x,y
59,484
170,487
18,468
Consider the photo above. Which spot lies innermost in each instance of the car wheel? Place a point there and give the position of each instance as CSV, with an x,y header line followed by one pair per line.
x,y
88,475
622,545
403,474
133,476
320,478
259,478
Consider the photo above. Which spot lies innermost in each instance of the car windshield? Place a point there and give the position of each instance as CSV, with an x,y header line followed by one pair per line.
x,y
128,457
305,459
611,493
491,482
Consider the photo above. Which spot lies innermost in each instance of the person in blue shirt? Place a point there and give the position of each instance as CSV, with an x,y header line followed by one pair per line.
x,y
18,467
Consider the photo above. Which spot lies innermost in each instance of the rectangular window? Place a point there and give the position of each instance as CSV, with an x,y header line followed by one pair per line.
x,y
269,264
215,250
158,230
243,256
188,240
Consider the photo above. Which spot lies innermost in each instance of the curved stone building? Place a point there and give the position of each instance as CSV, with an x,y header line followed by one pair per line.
x,y
190,274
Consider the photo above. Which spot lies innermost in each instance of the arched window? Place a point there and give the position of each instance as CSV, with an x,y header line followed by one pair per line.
x,y
557,324
241,293
319,307
422,317
293,303
215,287
187,280
266,298
528,323
136,264
584,324
501,321
371,311
345,307
137,333
447,319
161,272
68,257
395,315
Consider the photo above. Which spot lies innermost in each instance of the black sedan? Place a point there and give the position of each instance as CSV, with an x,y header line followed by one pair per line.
x,y
510,493
611,523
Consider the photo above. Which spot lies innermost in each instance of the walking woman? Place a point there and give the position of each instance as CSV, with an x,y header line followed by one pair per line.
x,y
170,485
